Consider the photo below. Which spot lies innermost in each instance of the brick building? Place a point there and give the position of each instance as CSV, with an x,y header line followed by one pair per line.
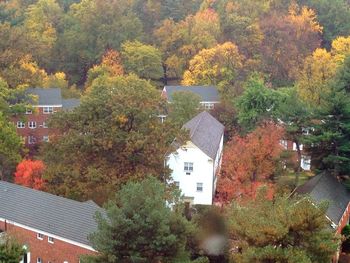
x,y
51,228
33,126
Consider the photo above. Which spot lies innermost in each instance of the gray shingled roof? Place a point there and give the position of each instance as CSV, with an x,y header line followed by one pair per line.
x,y
206,133
325,187
50,96
69,104
55,215
207,93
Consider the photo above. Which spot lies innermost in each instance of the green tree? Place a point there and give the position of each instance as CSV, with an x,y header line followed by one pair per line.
x,y
331,137
10,147
142,60
257,103
112,137
140,226
286,229
10,251
184,106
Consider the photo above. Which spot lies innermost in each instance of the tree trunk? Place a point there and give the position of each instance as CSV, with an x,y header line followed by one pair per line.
x,y
298,171
165,75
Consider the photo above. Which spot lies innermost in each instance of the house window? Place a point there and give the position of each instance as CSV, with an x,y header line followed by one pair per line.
x,y
40,236
29,111
295,146
188,167
45,125
199,187
38,260
306,162
284,144
208,106
45,138
48,110
21,125
31,140
177,184
50,240
32,124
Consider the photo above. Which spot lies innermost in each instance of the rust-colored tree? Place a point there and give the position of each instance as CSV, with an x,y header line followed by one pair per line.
x,y
250,162
29,173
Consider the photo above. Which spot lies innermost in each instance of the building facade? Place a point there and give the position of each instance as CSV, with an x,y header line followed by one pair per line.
x,y
50,228
33,126
196,164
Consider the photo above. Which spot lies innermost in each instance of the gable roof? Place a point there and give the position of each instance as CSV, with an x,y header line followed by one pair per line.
x,y
49,213
207,93
325,187
48,97
206,133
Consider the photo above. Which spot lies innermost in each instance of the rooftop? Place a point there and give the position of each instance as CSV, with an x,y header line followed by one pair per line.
x,y
207,93
49,213
325,187
205,133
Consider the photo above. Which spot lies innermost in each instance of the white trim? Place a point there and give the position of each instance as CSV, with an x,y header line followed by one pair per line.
x,y
48,234
203,102
54,106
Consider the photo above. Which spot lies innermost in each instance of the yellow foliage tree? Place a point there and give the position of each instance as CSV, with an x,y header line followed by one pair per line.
x,y
340,48
220,65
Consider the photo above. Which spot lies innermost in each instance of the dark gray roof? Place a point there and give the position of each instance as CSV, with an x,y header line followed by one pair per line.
x,y
70,103
205,133
325,187
49,96
207,93
49,213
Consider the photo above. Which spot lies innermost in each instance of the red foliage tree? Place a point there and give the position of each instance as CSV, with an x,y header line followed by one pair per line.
x,y
249,162
29,173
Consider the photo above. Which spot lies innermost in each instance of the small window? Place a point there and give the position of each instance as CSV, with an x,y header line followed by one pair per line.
x,y
188,167
50,240
40,236
38,260
45,138
284,144
177,184
45,125
48,110
199,187
21,125
29,111
31,140
32,124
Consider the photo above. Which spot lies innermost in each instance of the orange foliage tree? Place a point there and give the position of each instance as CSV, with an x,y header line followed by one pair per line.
x,y
29,173
250,162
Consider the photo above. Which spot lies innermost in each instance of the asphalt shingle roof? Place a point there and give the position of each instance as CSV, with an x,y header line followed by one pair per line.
x,y
51,96
206,133
325,187
49,213
207,93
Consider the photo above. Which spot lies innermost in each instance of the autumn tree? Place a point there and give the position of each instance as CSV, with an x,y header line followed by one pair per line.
x,y
288,40
183,107
221,66
29,173
286,229
180,41
114,136
249,162
141,208
10,146
142,60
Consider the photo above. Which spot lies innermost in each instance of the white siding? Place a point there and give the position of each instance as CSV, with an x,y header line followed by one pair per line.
x,y
203,172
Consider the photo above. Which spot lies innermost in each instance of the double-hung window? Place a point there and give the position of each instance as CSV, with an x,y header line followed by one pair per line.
x,y
31,140
48,110
40,236
50,240
32,124
188,167
21,125
199,187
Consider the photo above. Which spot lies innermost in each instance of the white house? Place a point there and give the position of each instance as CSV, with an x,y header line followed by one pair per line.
x,y
196,164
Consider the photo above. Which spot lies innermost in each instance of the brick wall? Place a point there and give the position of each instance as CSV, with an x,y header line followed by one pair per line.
x,y
344,220
58,252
